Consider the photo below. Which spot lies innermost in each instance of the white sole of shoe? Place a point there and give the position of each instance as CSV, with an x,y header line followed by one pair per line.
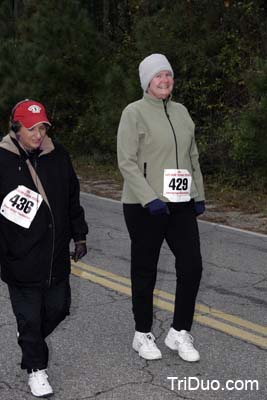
x,y
146,357
48,394
43,396
186,359
159,357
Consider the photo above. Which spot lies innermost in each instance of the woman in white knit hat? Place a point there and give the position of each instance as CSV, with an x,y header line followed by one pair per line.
x,y
162,196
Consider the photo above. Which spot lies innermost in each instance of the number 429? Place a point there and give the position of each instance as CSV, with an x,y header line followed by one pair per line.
x,y
179,184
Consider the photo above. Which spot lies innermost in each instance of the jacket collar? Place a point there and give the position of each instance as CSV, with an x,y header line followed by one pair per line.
x,y
7,143
156,102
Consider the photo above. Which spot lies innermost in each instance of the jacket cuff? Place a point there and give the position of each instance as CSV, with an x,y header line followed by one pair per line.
x,y
79,239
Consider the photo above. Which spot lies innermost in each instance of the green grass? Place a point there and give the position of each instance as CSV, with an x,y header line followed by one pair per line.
x,y
227,197
87,169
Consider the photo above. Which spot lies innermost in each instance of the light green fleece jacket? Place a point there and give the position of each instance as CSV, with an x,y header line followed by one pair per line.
x,y
146,146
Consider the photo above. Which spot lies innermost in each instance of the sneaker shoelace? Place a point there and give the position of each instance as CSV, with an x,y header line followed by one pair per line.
x,y
42,376
150,340
187,341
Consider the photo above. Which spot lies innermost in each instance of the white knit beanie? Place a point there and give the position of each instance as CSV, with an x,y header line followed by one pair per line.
x,y
151,66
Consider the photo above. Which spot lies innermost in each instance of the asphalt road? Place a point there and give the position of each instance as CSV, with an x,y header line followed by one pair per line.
x,y
90,352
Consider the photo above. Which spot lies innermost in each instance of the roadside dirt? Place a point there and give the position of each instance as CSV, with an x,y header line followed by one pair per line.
x,y
222,214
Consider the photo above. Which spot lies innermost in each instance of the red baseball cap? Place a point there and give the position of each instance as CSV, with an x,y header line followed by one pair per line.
x,y
30,113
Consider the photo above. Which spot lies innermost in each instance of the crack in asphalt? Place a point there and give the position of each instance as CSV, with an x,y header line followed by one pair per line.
x,y
149,382
100,251
113,300
7,324
249,246
213,265
106,227
228,268
227,292
111,389
122,296
263,289
161,321
109,234
111,291
5,384
9,388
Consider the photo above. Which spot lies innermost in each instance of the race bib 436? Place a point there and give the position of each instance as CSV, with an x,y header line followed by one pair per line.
x,y
21,205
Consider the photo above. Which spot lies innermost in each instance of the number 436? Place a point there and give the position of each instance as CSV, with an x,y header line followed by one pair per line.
x,y
21,203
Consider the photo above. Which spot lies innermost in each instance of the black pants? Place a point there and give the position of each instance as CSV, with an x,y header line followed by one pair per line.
x,y
147,233
38,311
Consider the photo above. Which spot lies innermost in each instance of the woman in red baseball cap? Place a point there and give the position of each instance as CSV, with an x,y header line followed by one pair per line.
x,y
29,121
40,213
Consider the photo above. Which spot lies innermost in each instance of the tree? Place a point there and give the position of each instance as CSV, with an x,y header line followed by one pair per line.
x,y
55,57
250,141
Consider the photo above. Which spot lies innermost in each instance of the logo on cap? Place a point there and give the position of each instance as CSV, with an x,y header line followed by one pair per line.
x,y
34,109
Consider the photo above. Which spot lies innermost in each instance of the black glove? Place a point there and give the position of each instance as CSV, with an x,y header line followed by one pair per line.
x,y
79,251
157,207
199,207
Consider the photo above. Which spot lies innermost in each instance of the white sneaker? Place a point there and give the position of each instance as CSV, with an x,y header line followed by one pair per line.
x,y
183,342
39,384
144,344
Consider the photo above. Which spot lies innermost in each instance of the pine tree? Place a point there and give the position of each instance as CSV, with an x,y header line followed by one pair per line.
x,y
55,57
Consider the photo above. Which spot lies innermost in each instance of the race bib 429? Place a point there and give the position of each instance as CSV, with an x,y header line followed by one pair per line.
x,y
177,185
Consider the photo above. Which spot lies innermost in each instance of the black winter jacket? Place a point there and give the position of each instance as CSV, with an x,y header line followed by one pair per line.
x,y
39,255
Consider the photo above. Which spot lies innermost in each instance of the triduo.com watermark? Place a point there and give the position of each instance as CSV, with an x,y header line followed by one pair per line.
x,y
192,383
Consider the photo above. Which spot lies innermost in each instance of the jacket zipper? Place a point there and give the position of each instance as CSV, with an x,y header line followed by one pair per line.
x,y
173,131
53,234
145,166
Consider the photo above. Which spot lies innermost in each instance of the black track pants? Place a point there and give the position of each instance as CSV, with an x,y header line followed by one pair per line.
x,y
147,232
38,311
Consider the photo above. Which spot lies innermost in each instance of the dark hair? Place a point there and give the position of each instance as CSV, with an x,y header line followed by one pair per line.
x,y
15,126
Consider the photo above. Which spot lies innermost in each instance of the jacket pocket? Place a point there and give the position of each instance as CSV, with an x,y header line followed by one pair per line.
x,y
145,169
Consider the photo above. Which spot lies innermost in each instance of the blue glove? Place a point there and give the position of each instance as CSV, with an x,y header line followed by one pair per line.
x,y
199,207
157,207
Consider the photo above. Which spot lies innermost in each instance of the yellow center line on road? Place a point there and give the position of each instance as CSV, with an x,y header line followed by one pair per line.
x,y
204,315
100,280
167,296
